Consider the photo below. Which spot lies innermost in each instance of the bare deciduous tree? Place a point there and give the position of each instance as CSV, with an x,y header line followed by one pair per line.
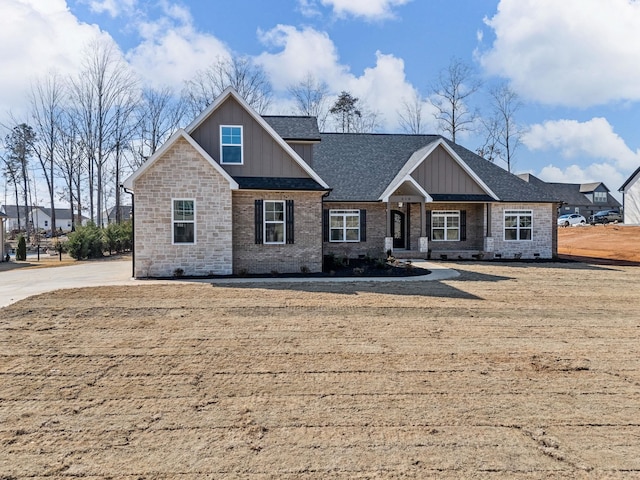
x,y
310,96
100,92
247,78
47,96
410,114
504,135
69,163
450,96
159,116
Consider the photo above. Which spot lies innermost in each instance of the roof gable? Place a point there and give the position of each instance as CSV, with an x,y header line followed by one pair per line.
x,y
196,127
180,134
632,179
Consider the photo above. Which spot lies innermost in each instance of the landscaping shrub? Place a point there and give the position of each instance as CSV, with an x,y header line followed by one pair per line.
x,y
21,251
86,242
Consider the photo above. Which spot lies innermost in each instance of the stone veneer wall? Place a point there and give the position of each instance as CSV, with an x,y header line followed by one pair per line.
x,y
306,251
182,173
543,231
376,231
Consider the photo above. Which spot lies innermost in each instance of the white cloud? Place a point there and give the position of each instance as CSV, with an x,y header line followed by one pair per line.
x,y
112,7
367,9
38,37
302,52
594,139
172,49
382,87
569,52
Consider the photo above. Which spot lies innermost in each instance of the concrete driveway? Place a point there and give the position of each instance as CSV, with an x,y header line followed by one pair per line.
x,y
22,283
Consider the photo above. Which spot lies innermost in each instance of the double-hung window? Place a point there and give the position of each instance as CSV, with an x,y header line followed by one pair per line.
x,y
445,225
183,219
231,145
518,225
344,225
274,226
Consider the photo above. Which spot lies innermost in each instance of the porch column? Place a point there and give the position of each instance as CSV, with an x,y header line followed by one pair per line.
x,y
423,241
388,239
488,239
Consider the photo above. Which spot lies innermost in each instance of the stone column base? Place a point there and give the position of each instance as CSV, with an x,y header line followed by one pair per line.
x,y
488,244
423,244
388,244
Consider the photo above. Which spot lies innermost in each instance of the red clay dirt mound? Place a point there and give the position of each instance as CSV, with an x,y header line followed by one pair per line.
x,y
612,244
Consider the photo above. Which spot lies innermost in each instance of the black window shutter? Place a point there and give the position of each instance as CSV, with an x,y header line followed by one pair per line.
x,y
325,225
363,225
289,221
428,226
258,221
463,225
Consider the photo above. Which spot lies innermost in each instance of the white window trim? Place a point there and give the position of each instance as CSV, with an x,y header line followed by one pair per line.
x,y
222,162
173,221
265,222
446,214
518,213
344,213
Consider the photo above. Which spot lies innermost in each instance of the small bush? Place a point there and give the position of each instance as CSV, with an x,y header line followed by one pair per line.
x,y
178,272
21,251
304,269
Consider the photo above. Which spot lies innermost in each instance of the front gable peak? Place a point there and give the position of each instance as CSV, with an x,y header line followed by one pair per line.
x,y
230,109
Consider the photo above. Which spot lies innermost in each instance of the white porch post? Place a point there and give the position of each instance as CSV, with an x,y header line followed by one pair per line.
x,y
388,239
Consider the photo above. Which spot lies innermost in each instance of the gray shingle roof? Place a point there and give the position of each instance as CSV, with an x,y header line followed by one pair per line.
x,y
359,167
293,127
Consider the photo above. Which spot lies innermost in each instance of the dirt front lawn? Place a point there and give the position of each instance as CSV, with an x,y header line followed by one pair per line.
x,y
619,243
509,371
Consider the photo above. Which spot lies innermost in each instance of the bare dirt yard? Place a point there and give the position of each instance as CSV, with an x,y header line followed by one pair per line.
x,y
511,370
601,243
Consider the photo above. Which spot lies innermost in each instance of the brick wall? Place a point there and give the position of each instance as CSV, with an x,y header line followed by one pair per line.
x,y
305,252
544,229
376,231
182,173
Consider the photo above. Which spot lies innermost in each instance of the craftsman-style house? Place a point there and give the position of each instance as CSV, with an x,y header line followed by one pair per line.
x,y
236,192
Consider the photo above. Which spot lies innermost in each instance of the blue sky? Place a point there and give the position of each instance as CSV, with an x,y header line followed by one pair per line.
x,y
574,63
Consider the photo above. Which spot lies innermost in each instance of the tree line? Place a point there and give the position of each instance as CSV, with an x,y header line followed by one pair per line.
x,y
85,132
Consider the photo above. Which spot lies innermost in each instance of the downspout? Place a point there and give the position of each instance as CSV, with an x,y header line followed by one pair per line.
x,y
133,231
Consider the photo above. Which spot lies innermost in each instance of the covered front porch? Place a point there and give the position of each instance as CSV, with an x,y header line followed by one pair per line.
x,y
421,226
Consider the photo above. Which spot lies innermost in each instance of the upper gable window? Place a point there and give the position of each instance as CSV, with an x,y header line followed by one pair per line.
x,y
600,197
231,145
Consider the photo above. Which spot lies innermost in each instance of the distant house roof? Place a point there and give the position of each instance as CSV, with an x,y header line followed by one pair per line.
x,y
360,166
570,193
125,213
12,210
294,128
60,212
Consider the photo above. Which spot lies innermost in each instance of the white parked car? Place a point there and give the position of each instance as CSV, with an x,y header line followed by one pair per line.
x,y
572,219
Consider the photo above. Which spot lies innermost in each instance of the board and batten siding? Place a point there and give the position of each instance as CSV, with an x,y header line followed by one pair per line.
x,y
262,155
632,202
439,173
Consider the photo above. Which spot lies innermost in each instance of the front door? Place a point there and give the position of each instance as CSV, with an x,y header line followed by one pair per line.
x,y
398,229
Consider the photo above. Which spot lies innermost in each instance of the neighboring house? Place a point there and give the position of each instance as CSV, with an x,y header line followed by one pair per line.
x,y
237,193
38,217
41,217
583,198
12,212
631,198
110,217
